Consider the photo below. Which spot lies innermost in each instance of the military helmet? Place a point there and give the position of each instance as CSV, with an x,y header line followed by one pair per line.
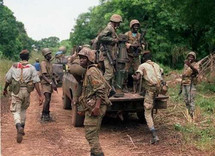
x,y
46,51
116,18
62,48
134,21
192,53
90,54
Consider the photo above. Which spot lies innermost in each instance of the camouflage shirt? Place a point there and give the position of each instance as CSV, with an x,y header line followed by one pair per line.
x,y
151,73
29,73
188,75
106,38
95,86
46,68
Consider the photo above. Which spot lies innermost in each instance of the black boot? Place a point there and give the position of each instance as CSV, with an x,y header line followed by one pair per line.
x,y
155,138
92,154
23,126
20,132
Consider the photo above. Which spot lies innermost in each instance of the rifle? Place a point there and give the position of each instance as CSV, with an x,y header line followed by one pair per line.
x,y
109,57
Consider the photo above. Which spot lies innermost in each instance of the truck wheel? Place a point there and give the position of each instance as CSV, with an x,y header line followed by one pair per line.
x,y
66,102
77,120
141,116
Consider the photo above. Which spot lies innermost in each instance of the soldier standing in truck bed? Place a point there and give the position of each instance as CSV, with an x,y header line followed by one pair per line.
x,y
94,99
134,48
22,78
108,40
47,82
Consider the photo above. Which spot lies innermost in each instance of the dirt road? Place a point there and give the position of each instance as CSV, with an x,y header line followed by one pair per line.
x,y
61,138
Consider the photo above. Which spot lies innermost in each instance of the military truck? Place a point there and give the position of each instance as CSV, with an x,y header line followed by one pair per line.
x,y
120,107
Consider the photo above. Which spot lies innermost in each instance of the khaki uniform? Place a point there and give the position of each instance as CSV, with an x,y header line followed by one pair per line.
x,y
94,86
151,73
46,68
189,89
24,73
106,38
133,54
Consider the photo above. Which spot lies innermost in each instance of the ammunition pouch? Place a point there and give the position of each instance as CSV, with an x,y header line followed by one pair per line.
x,y
30,86
14,87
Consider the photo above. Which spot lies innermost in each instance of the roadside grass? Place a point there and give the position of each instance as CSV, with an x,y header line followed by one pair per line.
x,y
201,133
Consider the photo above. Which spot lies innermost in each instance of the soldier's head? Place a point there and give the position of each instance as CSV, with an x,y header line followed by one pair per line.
x,y
134,25
47,53
24,55
62,48
86,56
116,19
146,56
191,56
37,60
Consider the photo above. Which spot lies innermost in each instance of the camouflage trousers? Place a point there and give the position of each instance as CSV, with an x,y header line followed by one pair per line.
x,y
19,105
109,70
148,106
132,65
92,126
189,97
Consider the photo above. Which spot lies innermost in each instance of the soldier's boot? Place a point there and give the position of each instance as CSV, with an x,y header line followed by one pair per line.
x,y
43,116
20,132
100,154
23,126
48,117
155,138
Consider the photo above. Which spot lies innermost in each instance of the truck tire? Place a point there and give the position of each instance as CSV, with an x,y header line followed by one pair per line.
x,y
77,120
141,116
66,102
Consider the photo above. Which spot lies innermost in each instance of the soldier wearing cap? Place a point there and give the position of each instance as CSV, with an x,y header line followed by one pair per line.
x,y
108,40
151,79
21,78
47,82
134,48
94,99
189,80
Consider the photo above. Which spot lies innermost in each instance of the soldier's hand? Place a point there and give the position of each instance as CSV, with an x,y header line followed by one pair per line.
x,y
128,45
5,92
96,111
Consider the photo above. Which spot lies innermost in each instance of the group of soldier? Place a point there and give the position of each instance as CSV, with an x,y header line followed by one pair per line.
x,y
106,67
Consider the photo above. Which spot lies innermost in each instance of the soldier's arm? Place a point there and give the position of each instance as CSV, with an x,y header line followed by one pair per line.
x,y
8,78
105,36
194,69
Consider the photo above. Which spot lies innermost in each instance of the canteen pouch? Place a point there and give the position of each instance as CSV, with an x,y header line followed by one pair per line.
x,y
30,86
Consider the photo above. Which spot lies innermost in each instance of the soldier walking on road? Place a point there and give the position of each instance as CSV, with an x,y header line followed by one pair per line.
x,y
152,79
94,99
108,40
189,80
47,82
134,47
22,77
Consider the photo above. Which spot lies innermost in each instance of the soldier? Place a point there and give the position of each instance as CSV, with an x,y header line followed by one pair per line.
x,y
108,40
94,99
152,79
134,48
189,80
47,82
60,54
22,78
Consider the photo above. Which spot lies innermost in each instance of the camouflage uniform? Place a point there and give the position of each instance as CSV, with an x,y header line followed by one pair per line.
x,y
188,85
46,68
134,60
94,87
106,38
21,101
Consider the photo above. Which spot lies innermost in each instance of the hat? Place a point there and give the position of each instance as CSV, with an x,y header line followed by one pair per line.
x,y
24,52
